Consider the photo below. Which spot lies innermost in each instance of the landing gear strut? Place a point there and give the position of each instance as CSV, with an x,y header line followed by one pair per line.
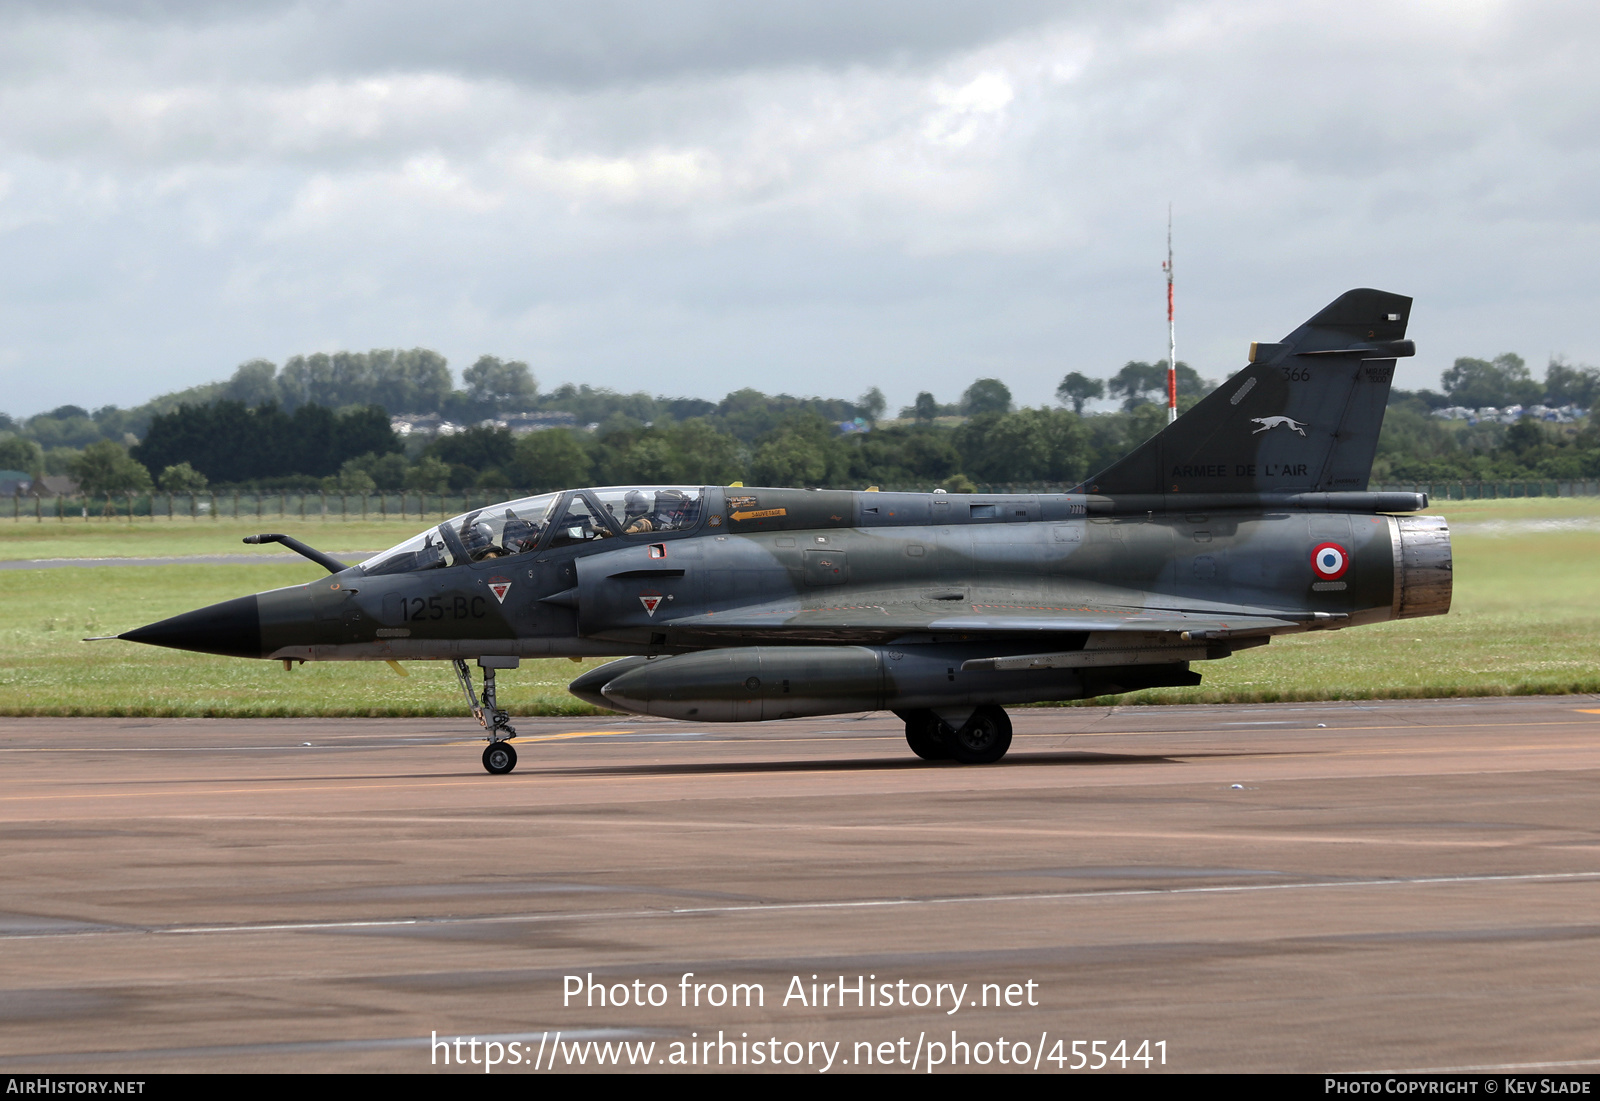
x,y
499,758
982,739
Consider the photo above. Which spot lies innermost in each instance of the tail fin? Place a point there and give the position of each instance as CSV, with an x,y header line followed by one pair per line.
x,y
1304,416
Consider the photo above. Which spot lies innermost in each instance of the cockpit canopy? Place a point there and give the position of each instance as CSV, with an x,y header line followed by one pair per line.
x,y
542,523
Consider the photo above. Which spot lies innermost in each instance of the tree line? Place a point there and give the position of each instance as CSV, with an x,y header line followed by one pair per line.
x,y
231,443
318,423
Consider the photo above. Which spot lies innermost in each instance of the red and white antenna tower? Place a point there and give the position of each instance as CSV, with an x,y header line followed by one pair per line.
x,y
1172,332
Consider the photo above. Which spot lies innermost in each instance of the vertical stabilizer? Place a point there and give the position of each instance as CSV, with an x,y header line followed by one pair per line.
x,y
1304,416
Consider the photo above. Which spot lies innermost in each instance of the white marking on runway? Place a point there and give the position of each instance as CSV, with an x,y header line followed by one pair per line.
x,y
790,907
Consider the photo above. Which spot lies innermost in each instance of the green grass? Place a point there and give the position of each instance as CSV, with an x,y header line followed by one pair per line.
x,y
98,538
1521,508
1526,619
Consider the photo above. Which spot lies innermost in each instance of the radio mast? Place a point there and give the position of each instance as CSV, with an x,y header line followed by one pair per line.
x,y
1172,332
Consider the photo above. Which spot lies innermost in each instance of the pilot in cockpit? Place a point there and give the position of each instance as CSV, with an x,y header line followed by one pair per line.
x,y
673,511
478,537
636,509
517,535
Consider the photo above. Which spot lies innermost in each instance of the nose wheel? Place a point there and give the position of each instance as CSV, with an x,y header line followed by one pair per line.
x,y
499,758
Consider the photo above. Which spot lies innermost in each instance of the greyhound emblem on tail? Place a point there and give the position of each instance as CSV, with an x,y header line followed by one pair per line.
x,y
1268,423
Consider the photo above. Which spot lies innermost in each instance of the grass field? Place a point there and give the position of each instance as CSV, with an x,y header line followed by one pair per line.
x,y
119,539
1525,619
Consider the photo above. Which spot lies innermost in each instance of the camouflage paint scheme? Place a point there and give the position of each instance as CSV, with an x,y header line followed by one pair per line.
x,y
776,603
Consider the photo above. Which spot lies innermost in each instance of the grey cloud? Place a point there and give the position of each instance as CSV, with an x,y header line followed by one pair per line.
x,y
777,199
606,41
555,44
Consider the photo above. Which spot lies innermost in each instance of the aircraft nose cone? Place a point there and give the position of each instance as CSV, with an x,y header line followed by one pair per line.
x,y
232,628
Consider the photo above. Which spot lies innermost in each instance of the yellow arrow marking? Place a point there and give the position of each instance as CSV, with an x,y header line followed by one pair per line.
x,y
559,737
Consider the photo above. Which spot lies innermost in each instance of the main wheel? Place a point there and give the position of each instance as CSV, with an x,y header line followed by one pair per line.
x,y
500,758
927,736
984,739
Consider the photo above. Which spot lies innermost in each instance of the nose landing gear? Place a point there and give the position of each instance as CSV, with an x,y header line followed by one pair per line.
x,y
499,758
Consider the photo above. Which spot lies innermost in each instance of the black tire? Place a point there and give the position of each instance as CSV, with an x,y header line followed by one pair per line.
x,y
984,739
499,758
926,734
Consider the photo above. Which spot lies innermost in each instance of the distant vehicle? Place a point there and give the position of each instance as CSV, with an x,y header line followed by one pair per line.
x,y
736,604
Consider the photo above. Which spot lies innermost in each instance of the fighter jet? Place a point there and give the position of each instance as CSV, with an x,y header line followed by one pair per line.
x,y
1247,518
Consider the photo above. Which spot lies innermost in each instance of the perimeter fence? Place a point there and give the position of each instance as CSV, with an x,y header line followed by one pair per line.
x,y
245,505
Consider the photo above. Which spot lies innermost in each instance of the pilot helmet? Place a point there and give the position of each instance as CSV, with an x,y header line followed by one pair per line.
x,y
635,504
478,539
671,502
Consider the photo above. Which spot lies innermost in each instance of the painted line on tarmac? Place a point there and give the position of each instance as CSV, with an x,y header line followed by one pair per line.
x,y
1410,881
793,907
603,773
926,830
376,748
734,734
1484,1069
218,748
525,739
1410,728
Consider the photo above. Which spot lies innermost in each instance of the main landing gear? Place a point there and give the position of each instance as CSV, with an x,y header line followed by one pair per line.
x,y
982,739
500,757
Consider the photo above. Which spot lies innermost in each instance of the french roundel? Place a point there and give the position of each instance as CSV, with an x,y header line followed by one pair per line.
x,y
1330,560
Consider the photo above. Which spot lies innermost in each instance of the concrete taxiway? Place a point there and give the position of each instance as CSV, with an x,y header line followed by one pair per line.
x,y
1308,887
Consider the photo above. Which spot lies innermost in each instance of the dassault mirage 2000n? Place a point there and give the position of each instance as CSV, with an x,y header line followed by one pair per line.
x,y
1247,517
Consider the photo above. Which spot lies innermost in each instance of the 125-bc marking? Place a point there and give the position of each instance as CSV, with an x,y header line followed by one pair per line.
x,y
438,607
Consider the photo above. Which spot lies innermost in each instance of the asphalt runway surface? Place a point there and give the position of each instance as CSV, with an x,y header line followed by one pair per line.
x,y
1312,887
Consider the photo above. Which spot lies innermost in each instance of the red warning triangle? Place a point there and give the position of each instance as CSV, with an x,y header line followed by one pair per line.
x,y
650,603
500,588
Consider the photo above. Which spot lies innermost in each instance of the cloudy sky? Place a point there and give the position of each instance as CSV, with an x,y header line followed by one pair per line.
x,y
816,197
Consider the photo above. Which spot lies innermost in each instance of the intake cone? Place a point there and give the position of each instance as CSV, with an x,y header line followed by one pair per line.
x,y
232,628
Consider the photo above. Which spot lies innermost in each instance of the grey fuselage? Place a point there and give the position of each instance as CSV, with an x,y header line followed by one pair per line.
x,y
837,601
1245,518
